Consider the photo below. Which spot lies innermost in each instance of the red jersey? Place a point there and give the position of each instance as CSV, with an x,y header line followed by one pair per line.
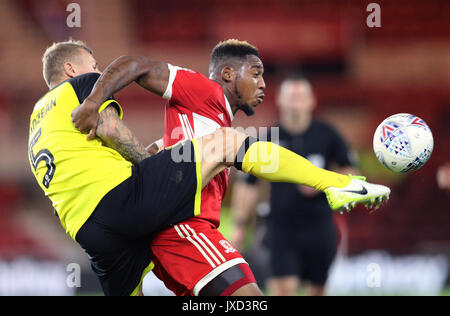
x,y
196,107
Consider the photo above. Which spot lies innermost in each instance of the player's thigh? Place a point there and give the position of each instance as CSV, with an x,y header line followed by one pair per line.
x,y
165,190
218,151
112,257
195,259
250,289
237,280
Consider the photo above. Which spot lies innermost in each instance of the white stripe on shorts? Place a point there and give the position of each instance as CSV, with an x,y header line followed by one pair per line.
x,y
213,247
199,248
194,234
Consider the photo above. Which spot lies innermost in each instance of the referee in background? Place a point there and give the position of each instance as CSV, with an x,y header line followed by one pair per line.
x,y
301,234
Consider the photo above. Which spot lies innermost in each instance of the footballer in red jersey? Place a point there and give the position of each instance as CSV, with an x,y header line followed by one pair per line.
x,y
197,107
192,257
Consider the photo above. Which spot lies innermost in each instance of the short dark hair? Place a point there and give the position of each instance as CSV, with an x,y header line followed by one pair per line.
x,y
232,48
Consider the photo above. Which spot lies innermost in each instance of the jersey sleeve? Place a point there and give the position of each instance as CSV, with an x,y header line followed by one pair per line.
x,y
83,86
114,103
188,88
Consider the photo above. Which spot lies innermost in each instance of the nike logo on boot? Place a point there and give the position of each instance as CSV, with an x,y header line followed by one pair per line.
x,y
363,191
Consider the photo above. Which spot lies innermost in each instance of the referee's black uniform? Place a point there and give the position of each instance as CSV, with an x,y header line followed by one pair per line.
x,y
301,234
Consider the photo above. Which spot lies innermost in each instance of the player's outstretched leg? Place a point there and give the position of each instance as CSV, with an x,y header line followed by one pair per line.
x,y
228,147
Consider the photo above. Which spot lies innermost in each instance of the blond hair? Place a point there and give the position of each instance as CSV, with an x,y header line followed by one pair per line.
x,y
57,55
233,48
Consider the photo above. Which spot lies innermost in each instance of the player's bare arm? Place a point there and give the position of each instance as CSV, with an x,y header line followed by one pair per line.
x,y
116,135
149,74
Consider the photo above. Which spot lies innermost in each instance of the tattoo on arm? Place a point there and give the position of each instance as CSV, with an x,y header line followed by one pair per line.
x,y
116,135
151,75
155,73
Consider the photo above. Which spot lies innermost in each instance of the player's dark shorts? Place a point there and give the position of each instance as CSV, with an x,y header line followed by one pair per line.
x,y
306,254
160,192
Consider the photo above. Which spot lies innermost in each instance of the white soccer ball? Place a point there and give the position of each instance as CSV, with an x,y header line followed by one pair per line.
x,y
403,142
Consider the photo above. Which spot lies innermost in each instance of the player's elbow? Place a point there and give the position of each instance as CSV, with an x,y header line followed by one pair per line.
x,y
138,65
130,63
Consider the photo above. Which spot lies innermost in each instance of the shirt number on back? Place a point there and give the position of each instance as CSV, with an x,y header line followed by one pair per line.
x,y
43,155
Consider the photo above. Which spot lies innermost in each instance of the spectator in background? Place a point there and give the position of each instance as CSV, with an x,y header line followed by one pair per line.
x,y
301,233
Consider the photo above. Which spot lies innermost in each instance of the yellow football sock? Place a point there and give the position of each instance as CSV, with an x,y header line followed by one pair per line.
x,y
268,161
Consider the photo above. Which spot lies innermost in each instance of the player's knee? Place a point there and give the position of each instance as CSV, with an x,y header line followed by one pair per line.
x,y
230,134
222,146
231,141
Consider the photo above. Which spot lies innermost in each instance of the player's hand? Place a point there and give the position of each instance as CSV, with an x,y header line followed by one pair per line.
x,y
85,118
153,149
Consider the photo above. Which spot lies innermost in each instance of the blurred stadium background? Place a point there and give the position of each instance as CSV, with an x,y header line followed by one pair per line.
x,y
360,74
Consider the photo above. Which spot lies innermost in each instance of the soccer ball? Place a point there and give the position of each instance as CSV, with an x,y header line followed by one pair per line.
x,y
403,142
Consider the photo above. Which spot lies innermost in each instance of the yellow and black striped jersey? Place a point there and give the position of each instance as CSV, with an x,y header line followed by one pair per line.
x,y
73,172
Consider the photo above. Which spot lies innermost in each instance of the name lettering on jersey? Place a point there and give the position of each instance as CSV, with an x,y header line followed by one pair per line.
x,y
42,113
